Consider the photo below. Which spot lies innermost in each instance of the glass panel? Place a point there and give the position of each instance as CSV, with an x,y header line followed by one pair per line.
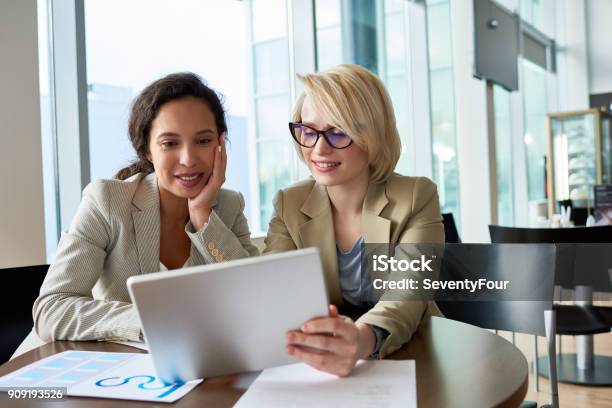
x,y
328,22
503,153
445,167
238,165
327,13
275,155
394,6
269,20
329,47
397,75
535,106
346,33
272,117
47,138
443,104
109,147
274,174
271,67
444,143
398,90
439,34
395,44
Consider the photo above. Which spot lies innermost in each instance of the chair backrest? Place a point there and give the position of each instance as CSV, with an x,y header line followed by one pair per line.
x,y
450,229
583,254
593,266
16,310
530,270
516,235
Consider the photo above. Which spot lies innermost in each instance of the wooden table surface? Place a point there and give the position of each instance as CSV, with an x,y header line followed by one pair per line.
x,y
457,365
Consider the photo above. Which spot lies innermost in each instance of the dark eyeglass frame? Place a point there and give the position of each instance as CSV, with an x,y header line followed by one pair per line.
x,y
294,125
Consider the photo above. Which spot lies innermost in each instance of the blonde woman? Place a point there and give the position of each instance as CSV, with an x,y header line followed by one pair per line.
x,y
345,132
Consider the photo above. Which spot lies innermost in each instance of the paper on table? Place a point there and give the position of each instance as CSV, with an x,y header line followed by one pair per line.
x,y
98,374
380,383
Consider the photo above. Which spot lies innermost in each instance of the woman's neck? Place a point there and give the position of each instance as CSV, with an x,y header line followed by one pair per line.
x,y
348,198
173,209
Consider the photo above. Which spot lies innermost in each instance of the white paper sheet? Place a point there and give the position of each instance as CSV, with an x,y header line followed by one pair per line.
x,y
381,383
99,374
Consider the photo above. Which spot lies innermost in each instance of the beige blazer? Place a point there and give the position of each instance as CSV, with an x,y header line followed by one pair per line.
x,y
115,235
400,210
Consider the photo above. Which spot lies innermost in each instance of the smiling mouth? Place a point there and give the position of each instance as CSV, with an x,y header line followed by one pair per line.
x,y
189,177
326,164
189,180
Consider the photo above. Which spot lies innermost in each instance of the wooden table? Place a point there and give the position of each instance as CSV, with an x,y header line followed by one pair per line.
x,y
457,365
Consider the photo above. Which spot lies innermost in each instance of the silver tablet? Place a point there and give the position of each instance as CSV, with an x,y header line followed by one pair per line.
x,y
228,317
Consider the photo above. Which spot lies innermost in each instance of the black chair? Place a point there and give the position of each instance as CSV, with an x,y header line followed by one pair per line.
x,y
531,312
602,234
583,259
16,310
450,229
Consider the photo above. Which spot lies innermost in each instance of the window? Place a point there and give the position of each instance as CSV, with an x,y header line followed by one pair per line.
x,y
48,141
535,107
445,169
272,101
397,75
375,35
503,153
255,65
328,21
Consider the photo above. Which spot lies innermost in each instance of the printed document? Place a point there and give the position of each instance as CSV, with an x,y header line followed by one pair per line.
x,y
98,374
380,384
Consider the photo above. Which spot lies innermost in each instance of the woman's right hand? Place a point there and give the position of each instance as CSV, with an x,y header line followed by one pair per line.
x,y
332,344
200,206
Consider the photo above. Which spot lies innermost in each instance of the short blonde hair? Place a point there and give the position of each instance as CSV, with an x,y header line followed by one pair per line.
x,y
356,101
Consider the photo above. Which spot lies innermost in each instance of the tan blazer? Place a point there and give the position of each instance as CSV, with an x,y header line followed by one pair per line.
x,y
400,210
115,235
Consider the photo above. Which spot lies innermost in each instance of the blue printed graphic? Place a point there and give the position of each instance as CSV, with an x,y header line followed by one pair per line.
x,y
144,385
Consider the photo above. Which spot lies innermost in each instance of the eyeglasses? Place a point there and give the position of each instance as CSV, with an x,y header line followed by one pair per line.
x,y
308,137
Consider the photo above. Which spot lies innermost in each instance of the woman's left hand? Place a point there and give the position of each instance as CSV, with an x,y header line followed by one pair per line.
x,y
200,206
332,344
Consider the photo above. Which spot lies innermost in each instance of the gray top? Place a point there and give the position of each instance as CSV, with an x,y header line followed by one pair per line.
x,y
356,287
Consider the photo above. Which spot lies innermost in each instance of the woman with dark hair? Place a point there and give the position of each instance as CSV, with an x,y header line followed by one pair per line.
x,y
165,211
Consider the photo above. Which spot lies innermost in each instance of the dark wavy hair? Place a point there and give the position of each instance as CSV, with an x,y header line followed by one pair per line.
x,y
147,105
